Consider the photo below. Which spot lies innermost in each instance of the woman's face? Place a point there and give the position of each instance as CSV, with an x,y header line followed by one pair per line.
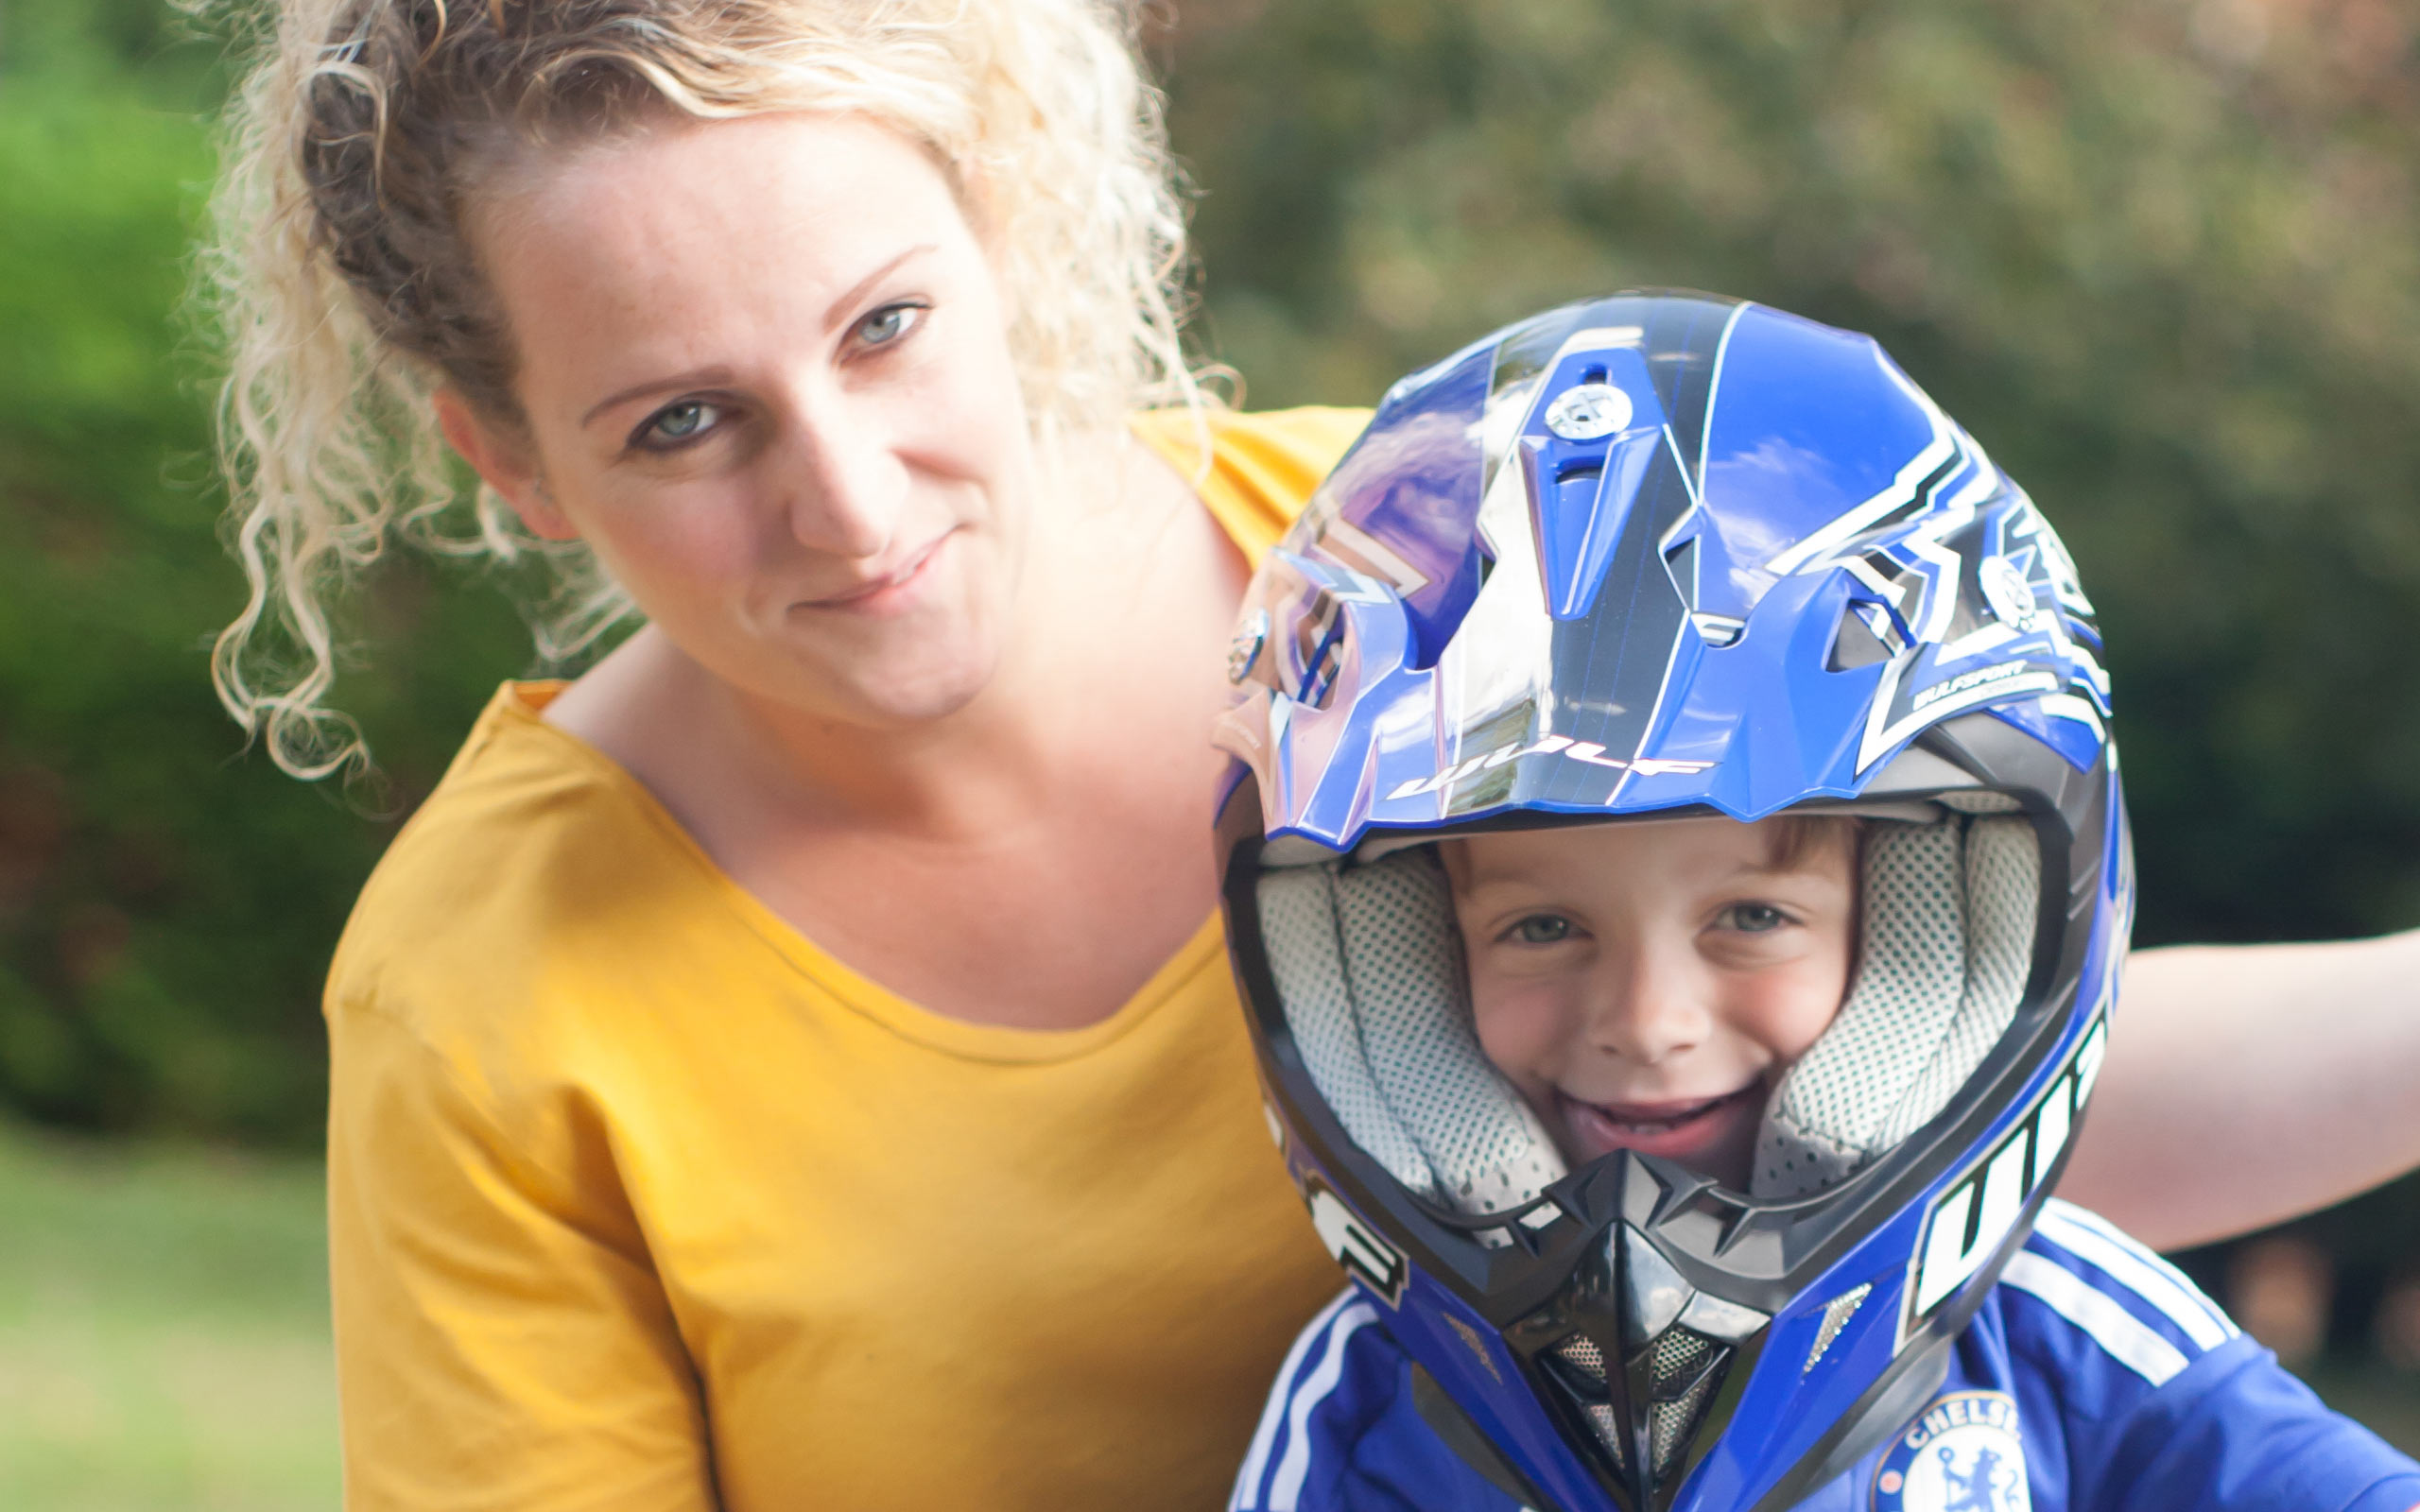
x,y
766,375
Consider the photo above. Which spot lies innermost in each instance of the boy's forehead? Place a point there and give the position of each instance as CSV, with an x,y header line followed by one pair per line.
x,y
1493,852
1701,843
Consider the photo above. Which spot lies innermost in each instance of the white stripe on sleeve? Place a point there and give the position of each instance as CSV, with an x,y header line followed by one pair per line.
x,y
2130,1341
1286,1488
2096,1242
1274,1413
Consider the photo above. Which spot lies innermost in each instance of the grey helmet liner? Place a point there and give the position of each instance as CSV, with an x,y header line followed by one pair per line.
x,y
1368,965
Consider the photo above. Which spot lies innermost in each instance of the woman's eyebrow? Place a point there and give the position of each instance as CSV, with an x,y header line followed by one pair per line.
x,y
847,302
695,378
709,377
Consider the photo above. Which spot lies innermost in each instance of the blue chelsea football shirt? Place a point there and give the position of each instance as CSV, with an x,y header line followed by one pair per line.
x,y
2095,1378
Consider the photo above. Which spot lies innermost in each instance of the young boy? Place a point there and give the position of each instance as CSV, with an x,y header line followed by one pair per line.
x,y
1644,986
1677,873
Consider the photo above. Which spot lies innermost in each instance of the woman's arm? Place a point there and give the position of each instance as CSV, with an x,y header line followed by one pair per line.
x,y
2248,1084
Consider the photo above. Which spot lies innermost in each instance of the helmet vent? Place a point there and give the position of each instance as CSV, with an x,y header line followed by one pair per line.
x,y
1582,1353
1982,801
1866,635
1681,560
1608,1432
1682,1372
1837,1313
1320,645
1584,1378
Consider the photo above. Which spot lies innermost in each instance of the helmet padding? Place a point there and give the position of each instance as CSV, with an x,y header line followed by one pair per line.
x,y
1948,936
1369,968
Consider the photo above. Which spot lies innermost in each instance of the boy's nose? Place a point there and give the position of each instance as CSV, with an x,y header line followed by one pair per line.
x,y
1649,1007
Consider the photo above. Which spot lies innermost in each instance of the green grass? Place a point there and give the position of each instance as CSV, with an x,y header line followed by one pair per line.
x,y
164,1330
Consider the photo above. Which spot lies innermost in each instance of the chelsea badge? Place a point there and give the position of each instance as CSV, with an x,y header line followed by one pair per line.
x,y
1960,1454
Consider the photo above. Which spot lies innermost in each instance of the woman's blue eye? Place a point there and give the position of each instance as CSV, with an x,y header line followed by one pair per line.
x,y
1543,929
888,324
675,423
1755,919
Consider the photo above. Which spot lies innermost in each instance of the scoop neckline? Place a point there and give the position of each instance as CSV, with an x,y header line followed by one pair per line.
x,y
523,703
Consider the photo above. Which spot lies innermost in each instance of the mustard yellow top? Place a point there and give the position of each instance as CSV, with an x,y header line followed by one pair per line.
x,y
639,1200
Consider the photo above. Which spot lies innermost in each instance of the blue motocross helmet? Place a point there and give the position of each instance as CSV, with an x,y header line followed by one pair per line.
x,y
1667,554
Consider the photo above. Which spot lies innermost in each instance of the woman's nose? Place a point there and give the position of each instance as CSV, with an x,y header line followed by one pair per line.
x,y
846,485
1650,1005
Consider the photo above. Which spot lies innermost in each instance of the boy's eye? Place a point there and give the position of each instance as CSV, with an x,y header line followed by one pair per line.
x,y
1753,918
677,424
888,324
1542,929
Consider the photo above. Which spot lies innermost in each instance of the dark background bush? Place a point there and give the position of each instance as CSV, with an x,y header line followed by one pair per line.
x,y
167,901
2158,256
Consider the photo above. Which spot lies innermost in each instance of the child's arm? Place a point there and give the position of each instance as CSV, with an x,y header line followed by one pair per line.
x,y
2137,1392
2248,1084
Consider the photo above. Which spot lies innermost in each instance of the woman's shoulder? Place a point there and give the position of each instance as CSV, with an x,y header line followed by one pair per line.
x,y
1260,468
524,865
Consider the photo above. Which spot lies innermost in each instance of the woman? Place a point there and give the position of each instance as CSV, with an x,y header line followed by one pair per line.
x,y
791,1065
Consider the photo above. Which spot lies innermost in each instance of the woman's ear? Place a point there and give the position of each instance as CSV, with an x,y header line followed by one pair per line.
x,y
504,463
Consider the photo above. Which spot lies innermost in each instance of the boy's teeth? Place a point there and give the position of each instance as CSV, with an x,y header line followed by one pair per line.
x,y
1657,1126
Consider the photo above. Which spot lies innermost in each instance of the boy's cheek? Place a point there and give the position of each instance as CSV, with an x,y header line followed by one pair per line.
x,y
1521,1028
1790,1009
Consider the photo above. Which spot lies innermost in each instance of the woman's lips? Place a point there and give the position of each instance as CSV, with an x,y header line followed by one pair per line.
x,y
887,591
1676,1127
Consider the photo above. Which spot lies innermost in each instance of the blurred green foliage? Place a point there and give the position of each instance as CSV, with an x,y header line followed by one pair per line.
x,y
2162,257
2159,255
166,903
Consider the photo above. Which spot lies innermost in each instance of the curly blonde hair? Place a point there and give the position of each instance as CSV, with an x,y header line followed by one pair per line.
x,y
341,280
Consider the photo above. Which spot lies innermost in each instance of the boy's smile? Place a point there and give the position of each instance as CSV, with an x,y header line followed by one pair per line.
x,y
1678,1130
1644,984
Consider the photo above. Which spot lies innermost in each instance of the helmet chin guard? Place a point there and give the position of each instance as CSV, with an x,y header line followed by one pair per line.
x,y
1664,555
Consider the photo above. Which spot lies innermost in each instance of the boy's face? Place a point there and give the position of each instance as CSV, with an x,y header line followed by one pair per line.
x,y
1644,984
